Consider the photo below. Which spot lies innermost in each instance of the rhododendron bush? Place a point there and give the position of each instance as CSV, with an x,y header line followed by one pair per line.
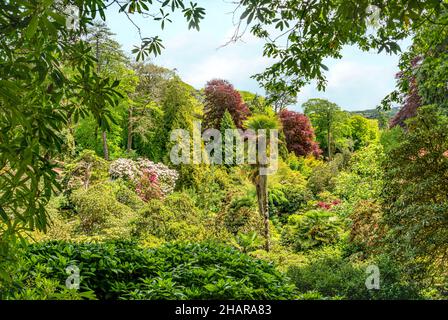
x,y
152,180
123,169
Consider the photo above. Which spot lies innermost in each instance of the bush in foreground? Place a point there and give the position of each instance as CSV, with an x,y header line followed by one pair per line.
x,y
123,270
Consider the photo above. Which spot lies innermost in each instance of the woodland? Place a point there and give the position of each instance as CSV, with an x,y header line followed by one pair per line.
x,y
92,207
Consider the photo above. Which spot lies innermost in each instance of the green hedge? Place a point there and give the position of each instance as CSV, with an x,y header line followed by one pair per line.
x,y
123,270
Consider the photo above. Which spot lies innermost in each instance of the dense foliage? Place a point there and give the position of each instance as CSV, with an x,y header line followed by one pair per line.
x,y
298,133
221,97
416,207
123,270
87,177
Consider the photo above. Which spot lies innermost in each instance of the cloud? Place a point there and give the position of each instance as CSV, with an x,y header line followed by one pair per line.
x,y
231,67
348,73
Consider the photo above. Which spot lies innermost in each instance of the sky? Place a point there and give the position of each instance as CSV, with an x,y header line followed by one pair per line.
x,y
358,81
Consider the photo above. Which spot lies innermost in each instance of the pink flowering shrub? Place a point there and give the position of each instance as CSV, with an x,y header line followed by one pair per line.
x,y
328,205
147,186
166,177
144,173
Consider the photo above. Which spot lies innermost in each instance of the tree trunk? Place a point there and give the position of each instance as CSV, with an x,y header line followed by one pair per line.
x,y
87,175
129,145
262,197
329,144
105,149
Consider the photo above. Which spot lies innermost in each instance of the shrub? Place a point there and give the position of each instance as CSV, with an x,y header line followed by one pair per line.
x,y
312,229
241,215
365,179
322,177
143,169
366,229
288,198
123,169
128,197
148,186
176,218
60,227
86,169
122,270
328,275
167,177
99,211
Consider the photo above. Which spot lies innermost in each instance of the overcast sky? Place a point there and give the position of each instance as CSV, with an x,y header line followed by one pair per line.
x,y
358,81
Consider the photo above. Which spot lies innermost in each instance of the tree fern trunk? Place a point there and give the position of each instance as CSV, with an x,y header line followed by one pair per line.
x,y
129,144
105,148
262,197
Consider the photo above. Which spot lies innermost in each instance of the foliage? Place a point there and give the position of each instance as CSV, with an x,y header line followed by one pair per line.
x,y
288,198
254,102
315,31
145,174
122,270
220,96
127,196
248,241
167,177
100,213
176,218
123,169
83,171
241,215
299,133
330,124
363,131
391,138
412,100
415,191
422,78
45,77
331,276
148,186
366,228
312,229
364,179
323,176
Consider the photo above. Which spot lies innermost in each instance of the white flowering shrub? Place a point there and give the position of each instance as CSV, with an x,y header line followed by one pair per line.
x,y
165,176
124,169
133,171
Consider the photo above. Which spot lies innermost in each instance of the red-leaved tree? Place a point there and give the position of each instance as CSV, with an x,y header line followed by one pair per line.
x,y
299,133
412,101
219,97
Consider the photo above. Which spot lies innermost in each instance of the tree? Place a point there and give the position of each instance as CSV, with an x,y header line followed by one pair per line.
x,y
180,109
328,121
301,34
220,96
281,100
412,99
423,73
299,134
363,131
258,176
108,55
415,193
47,76
143,114
254,102
227,124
